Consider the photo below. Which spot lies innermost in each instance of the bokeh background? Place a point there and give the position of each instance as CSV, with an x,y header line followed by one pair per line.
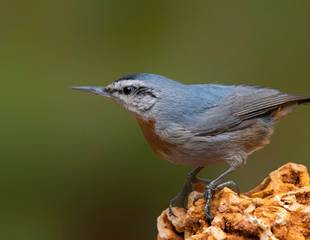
x,y
74,166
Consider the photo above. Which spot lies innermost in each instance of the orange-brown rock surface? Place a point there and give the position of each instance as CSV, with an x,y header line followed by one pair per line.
x,y
278,208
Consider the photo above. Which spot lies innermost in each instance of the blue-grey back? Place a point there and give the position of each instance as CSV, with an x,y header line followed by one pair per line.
x,y
181,103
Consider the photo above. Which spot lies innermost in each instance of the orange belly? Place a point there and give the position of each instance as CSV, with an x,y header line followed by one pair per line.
x,y
159,146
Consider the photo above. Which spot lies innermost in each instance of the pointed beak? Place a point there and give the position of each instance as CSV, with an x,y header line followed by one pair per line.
x,y
95,90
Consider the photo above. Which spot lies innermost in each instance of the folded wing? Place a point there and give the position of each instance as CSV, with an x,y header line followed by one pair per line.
x,y
241,110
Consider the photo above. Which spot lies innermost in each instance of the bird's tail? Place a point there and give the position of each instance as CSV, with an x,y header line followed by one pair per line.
x,y
303,100
289,105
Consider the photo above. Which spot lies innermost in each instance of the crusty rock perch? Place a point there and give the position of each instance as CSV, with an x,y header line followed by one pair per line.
x,y
278,208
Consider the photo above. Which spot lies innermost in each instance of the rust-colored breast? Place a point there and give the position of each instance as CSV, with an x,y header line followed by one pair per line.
x,y
157,144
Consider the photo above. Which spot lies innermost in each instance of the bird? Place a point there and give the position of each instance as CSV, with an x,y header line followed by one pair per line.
x,y
200,124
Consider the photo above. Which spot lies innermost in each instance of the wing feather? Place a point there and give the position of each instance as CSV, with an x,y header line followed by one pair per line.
x,y
268,104
240,111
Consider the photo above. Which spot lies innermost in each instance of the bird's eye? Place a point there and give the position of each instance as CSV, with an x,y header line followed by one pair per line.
x,y
128,90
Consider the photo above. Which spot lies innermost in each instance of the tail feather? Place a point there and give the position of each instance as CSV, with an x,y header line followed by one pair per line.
x,y
304,100
290,105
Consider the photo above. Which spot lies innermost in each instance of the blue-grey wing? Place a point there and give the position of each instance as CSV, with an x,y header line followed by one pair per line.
x,y
241,108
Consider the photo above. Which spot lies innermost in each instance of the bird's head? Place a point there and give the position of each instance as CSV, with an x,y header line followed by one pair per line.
x,y
137,93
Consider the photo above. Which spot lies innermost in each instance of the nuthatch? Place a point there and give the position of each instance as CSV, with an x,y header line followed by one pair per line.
x,y
197,124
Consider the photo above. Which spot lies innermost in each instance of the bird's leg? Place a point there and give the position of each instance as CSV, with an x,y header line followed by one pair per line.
x,y
180,198
215,185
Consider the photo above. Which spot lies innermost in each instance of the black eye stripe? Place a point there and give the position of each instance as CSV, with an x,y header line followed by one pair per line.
x,y
141,90
112,90
133,90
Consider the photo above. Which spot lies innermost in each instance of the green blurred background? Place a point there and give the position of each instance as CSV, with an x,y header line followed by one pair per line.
x,y
74,166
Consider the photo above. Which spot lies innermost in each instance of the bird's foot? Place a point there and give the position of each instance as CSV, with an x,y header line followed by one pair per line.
x,y
180,200
209,192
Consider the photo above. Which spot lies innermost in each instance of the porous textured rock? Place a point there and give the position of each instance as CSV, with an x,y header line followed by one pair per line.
x,y
278,208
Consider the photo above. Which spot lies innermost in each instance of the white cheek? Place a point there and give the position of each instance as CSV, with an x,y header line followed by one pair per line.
x,y
135,104
120,98
125,101
145,103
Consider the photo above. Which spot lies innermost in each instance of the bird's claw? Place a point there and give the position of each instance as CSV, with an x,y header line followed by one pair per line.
x,y
196,198
171,211
209,192
180,200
